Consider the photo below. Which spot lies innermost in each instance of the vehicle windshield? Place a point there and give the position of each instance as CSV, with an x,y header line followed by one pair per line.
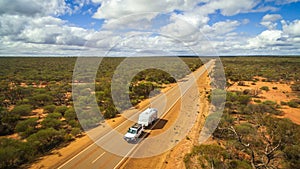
x,y
131,131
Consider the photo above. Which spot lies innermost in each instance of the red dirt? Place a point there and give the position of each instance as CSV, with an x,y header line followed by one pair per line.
x,y
282,93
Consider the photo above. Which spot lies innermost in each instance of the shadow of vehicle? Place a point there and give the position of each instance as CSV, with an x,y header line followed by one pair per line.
x,y
159,124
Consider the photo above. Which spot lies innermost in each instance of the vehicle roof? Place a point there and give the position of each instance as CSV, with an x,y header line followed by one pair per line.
x,y
136,126
148,111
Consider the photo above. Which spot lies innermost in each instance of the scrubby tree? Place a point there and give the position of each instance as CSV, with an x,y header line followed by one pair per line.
x,y
27,127
54,115
49,108
50,122
8,121
76,131
13,153
70,114
46,139
41,100
61,109
22,110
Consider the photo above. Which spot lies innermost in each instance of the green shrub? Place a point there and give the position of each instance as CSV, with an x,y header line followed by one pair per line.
x,y
75,131
245,129
70,114
292,104
46,139
49,108
73,123
22,110
8,121
110,112
237,164
295,87
266,88
257,101
54,115
27,127
292,155
61,109
208,155
212,120
269,102
40,100
13,153
49,122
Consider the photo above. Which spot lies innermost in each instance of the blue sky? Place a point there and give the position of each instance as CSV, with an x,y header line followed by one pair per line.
x,y
147,27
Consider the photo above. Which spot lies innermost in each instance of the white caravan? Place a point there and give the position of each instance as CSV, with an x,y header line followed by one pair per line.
x,y
148,117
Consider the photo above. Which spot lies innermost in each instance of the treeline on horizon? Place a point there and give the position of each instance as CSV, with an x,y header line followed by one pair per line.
x,y
180,56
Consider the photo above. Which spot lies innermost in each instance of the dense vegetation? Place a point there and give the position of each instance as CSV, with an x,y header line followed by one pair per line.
x,y
249,134
36,102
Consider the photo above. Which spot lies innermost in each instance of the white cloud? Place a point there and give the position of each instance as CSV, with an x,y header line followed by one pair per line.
x,y
281,2
143,26
231,7
271,17
220,28
269,20
266,38
33,8
134,21
113,9
292,29
48,30
183,27
283,40
12,24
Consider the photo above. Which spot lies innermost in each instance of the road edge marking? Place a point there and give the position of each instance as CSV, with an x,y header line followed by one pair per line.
x,y
98,157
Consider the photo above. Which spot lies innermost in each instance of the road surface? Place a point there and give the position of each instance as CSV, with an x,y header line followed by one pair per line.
x,y
94,156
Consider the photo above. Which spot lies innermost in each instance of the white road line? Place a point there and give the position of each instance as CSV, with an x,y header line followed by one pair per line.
x,y
75,156
98,158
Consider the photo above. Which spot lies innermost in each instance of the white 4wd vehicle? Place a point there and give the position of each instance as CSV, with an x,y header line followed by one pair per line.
x,y
134,132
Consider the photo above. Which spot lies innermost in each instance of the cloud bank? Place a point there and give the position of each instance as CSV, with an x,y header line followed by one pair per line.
x,y
145,27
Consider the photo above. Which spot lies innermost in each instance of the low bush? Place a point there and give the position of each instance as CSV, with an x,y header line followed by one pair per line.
x,y
293,104
22,110
257,101
265,88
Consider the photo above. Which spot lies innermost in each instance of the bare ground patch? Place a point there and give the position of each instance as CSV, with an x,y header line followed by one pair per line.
x,y
278,92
